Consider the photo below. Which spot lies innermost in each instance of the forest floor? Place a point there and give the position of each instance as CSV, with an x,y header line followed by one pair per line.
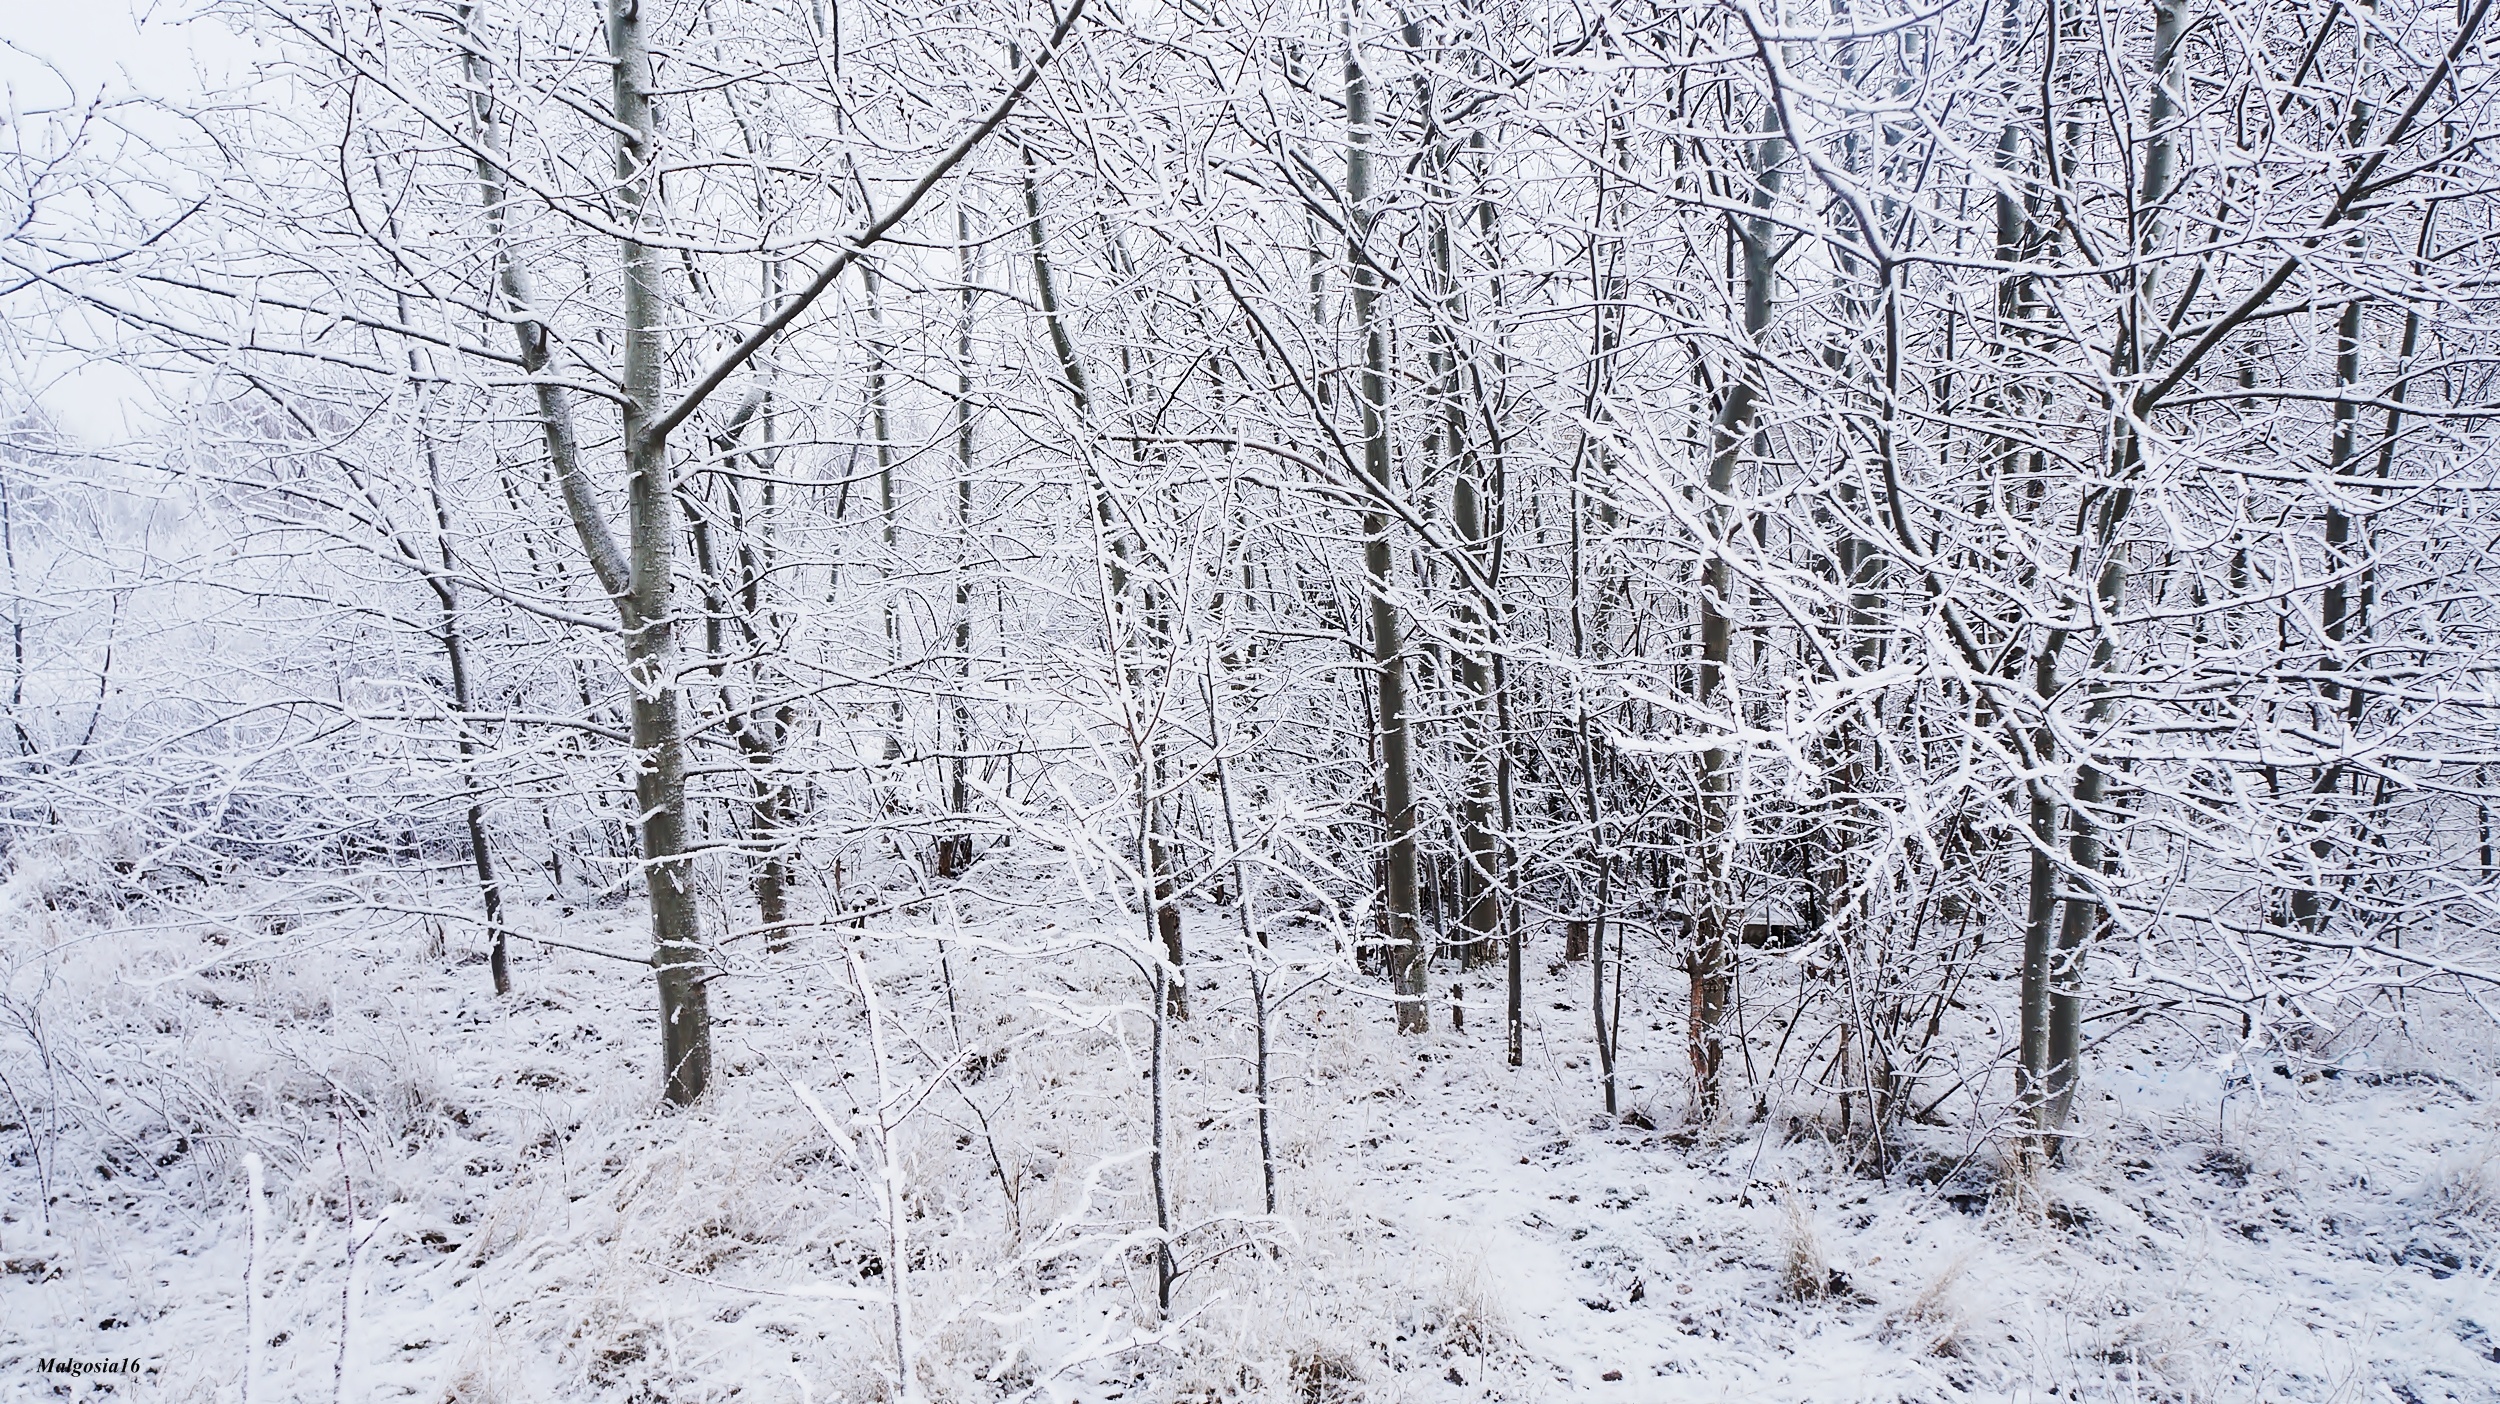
x,y
479,1199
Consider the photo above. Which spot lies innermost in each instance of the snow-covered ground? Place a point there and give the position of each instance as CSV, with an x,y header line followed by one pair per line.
x,y
486,1197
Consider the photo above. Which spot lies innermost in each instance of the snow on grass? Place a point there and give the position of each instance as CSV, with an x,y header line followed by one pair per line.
x,y
486,1197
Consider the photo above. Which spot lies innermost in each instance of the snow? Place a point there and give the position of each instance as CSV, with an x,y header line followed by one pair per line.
x,y
525,1223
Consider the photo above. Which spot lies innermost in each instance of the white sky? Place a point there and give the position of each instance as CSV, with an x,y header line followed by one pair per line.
x,y
117,46
58,53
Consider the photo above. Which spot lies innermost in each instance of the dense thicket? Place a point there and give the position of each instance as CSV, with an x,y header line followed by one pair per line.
x,y
1909,518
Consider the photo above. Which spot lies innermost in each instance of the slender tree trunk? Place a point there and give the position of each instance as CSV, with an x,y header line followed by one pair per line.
x,y
651,634
463,700
1514,936
17,617
880,432
1160,1014
758,731
2308,901
2016,237
1587,644
2086,853
1483,870
639,583
1408,954
954,850
481,855
1253,938
2031,1078
1479,742
1717,923
1153,849
1160,863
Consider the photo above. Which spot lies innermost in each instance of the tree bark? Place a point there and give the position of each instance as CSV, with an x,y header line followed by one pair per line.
x,y
651,668
954,850
2086,854
1717,924
1408,954
639,583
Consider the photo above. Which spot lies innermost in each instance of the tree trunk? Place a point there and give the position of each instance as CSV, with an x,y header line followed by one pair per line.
x,y
638,584
954,850
1162,895
880,434
1717,924
456,660
651,668
2086,855
481,857
1408,954
758,732
1482,870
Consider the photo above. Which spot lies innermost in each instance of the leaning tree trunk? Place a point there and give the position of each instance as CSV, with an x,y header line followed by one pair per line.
x,y
1153,847
757,729
456,660
456,655
762,732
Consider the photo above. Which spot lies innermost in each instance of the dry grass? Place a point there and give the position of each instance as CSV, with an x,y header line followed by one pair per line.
x,y
1806,1273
